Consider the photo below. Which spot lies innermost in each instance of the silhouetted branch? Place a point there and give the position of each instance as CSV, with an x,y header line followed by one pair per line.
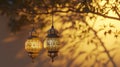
x,y
105,15
70,10
115,8
102,43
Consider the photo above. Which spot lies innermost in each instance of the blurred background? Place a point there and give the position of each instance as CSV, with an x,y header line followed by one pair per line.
x,y
89,30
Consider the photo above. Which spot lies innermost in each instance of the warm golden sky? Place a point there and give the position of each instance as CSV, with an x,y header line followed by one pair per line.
x,y
75,50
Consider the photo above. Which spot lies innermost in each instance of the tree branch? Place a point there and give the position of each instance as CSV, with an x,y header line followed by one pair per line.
x,y
105,16
115,8
76,11
102,44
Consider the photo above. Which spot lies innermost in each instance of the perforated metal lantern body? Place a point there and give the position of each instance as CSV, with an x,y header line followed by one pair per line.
x,y
52,43
33,45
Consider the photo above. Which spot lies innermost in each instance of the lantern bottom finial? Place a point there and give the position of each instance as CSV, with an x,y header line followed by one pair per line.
x,y
52,59
52,54
33,55
33,61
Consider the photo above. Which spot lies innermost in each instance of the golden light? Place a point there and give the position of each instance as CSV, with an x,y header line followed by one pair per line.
x,y
52,43
33,45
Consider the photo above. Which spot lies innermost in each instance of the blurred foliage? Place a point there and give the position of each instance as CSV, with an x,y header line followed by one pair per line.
x,y
19,8
78,16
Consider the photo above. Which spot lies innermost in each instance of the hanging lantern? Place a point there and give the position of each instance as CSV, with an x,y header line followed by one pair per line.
x,y
52,43
33,45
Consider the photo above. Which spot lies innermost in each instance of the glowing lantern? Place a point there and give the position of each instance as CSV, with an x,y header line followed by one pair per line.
x,y
52,43
33,45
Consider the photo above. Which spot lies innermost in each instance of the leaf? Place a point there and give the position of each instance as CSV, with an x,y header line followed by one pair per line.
x,y
82,52
111,25
119,32
105,33
101,29
116,35
104,26
109,31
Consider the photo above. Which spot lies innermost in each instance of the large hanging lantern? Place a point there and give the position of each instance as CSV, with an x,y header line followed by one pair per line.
x,y
52,43
33,45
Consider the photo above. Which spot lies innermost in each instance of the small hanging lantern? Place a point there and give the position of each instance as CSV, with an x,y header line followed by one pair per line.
x,y
52,43
33,45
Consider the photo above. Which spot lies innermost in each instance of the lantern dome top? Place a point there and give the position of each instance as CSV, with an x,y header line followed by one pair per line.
x,y
52,33
33,34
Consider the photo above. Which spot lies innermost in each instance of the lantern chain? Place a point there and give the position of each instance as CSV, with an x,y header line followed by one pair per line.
x,y
52,17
